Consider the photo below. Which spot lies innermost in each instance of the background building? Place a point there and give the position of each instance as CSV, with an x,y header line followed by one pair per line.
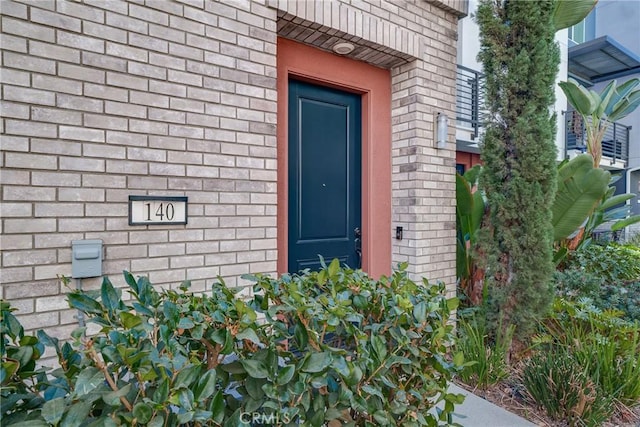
x,y
604,47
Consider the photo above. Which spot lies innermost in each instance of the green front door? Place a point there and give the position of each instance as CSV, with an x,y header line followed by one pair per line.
x,y
324,176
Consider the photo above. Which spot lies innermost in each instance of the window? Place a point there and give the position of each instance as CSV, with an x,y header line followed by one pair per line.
x,y
577,33
583,31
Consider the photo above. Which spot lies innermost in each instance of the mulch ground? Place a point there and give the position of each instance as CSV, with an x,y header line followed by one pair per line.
x,y
512,396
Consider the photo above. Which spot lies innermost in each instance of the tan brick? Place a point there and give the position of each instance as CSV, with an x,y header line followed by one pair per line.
x,y
55,178
80,224
150,264
81,194
79,103
167,276
31,96
82,164
106,92
56,240
80,11
55,115
20,28
15,275
15,241
40,320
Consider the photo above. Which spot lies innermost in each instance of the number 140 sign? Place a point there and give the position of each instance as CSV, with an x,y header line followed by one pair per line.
x,y
157,210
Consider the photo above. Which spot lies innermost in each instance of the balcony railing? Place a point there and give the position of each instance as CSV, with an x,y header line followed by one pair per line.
x,y
469,98
615,143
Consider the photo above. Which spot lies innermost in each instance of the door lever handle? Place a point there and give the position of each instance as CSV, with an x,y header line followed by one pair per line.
x,y
358,245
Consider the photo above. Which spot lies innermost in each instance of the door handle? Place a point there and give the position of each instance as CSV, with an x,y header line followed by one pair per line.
x,y
358,245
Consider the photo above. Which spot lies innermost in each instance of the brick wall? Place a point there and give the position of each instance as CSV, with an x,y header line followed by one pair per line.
x,y
106,99
423,175
103,99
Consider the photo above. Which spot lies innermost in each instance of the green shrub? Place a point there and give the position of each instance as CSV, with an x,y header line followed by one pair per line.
x,y
623,297
486,359
305,350
607,347
21,381
561,386
612,262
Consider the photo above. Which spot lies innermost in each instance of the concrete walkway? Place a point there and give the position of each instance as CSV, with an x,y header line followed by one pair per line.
x,y
477,412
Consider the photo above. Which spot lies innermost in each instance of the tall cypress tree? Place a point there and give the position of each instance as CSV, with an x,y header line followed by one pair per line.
x,y
520,59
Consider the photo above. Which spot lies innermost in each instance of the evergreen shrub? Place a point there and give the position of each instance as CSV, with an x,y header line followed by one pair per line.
x,y
329,346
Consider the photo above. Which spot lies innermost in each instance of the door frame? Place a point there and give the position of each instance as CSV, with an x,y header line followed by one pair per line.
x,y
315,66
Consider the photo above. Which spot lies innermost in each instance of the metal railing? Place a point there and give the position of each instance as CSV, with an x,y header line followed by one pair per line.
x,y
469,98
615,143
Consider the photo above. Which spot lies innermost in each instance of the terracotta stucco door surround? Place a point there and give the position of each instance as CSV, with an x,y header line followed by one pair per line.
x,y
373,84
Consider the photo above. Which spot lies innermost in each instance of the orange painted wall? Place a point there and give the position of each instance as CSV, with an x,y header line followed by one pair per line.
x,y
374,84
467,159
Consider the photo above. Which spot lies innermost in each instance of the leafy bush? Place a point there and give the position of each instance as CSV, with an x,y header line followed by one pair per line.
x,y
613,262
607,347
486,359
560,384
624,297
21,381
305,350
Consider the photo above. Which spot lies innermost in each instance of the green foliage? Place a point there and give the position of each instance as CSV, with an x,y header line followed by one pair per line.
x,y
562,387
581,188
470,208
612,262
486,358
605,346
305,350
21,380
611,209
570,12
599,110
520,60
618,296
380,344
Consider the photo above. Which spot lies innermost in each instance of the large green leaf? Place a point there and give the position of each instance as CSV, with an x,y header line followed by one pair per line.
x,y
570,12
187,376
316,362
285,374
579,97
84,303
143,412
255,368
619,225
620,93
604,98
615,200
76,415
110,297
625,107
53,410
581,186
89,379
206,385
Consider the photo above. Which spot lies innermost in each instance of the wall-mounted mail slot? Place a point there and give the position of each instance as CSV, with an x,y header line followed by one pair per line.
x,y
86,258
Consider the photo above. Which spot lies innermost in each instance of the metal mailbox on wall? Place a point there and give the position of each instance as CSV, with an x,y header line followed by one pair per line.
x,y
86,258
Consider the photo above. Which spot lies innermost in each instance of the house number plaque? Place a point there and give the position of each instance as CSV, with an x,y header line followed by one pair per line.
x,y
157,210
